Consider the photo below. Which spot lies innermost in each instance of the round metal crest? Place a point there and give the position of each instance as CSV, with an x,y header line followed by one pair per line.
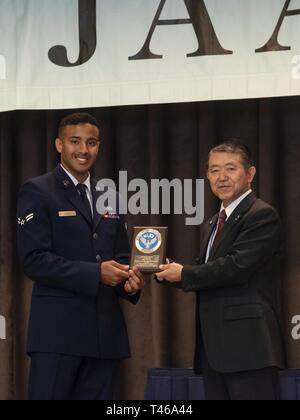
x,y
148,241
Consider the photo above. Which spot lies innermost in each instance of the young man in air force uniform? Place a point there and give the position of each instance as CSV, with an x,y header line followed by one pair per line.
x,y
78,260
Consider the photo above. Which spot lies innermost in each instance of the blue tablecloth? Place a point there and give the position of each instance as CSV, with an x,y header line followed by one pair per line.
x,y
184,385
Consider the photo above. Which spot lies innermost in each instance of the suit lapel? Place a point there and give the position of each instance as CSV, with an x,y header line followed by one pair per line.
x,y
242,208
71,193
95,194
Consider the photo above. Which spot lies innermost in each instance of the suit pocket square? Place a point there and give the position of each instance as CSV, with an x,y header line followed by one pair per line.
x,y
67,214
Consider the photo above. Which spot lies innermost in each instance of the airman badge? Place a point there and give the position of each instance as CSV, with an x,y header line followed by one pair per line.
x,y
27,219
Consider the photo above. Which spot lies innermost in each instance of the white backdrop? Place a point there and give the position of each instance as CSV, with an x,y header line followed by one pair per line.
x,y
224,34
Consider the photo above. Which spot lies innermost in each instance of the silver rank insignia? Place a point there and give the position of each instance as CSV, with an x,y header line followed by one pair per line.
x,y
27,219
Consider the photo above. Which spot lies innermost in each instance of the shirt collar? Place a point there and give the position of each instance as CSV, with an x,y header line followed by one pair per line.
x,y
87,182
230,209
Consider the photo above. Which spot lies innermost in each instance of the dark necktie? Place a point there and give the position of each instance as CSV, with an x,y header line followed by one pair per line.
x,y
221,223
83,194
220,227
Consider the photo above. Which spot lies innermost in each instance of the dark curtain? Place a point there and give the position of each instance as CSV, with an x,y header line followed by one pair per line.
x,y
162,141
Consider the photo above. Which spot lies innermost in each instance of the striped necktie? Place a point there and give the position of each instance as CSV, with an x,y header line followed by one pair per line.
x,y
221,223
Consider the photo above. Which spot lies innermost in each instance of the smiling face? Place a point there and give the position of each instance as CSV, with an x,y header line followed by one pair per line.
x,y
229,178
78,146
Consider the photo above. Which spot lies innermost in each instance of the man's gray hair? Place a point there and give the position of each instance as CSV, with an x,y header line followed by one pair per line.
x,y
235,146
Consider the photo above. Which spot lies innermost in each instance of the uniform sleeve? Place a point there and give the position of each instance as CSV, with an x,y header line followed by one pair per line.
x,y
39,261
258,241
122,255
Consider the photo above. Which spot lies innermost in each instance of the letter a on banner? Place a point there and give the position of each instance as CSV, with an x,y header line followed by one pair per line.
x,y
273,44
87,37
203,27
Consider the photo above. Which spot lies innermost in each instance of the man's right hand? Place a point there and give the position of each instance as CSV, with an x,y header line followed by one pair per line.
x,y
113,273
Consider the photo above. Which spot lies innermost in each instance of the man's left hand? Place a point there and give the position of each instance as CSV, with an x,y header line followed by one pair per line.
x,y
170,272
135,283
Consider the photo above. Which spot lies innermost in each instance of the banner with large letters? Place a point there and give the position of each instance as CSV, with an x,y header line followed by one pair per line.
x,y
91,53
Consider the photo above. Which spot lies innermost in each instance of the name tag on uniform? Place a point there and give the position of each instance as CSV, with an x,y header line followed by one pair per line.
x,y
67,213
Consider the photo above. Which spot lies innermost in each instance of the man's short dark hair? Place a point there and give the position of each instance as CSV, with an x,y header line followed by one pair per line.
x,y
235,146
78,118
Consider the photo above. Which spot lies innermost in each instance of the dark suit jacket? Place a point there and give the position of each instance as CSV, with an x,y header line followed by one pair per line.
x,y
238,308
72,312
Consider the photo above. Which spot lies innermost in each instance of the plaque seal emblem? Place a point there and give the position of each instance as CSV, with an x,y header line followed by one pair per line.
x,y
148,241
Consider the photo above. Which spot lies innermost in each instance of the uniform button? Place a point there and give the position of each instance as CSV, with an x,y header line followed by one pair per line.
x,y
95,236
98,258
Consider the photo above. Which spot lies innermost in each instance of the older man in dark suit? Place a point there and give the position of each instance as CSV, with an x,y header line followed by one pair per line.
x,y
239,343
78,260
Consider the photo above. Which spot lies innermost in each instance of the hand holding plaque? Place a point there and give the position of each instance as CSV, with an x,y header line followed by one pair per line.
x,y
149,248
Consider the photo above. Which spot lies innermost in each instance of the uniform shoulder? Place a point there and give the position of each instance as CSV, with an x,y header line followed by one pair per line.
x,y
41,183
